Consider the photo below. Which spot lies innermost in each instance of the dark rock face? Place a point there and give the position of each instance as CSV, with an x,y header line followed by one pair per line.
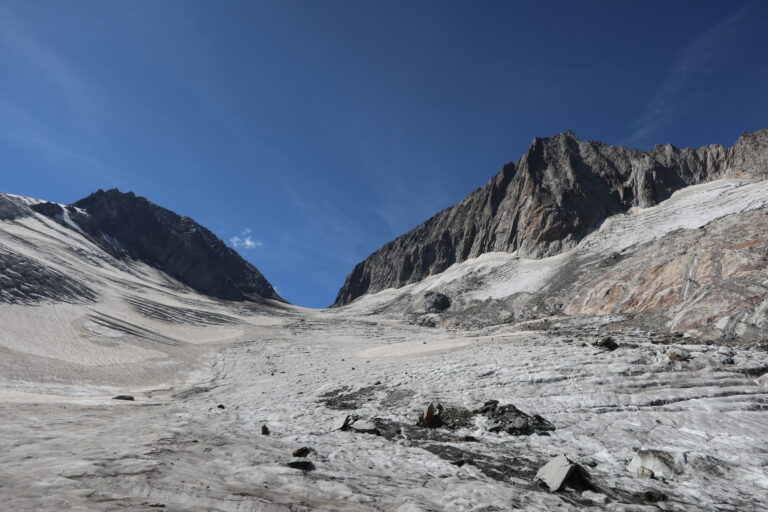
x,y
129,226
560,190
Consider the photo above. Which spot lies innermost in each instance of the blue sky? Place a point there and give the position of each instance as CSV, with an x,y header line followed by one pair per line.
x,y
316,131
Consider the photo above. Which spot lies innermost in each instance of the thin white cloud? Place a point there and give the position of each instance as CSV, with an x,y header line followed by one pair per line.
x,y
692,62
250,243
245,240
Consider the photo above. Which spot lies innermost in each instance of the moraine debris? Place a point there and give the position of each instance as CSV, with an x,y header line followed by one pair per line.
x,y
503,418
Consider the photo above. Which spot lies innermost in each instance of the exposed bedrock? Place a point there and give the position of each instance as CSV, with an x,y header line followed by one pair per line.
x,y
556,193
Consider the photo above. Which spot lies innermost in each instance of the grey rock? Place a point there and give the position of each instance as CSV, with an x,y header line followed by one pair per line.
x,y
513,421
657,463
364,427
343,422
432,302
678,354
431,416
129,398
556,473
607,343
543,204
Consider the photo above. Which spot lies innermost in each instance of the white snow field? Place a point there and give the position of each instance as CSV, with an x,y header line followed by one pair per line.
x,y
67,445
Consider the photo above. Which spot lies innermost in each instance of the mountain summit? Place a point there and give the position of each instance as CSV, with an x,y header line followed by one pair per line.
x,y
129,226
559,191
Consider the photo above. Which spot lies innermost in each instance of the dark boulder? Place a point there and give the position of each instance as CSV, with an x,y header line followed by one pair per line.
x,y
433,302
431,416
301,452
303,465
607,343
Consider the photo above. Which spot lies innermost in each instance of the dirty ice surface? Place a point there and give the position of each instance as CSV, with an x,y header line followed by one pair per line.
x,y
207,376
72,446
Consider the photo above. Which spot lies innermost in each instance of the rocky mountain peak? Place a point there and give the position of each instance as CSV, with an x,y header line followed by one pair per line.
x,y
559,190
130,226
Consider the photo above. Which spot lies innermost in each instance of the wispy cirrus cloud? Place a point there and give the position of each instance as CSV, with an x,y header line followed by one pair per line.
x,y
245,241
697,59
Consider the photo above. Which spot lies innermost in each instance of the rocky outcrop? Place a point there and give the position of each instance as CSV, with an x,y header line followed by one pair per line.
x,y
560,190
129,226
